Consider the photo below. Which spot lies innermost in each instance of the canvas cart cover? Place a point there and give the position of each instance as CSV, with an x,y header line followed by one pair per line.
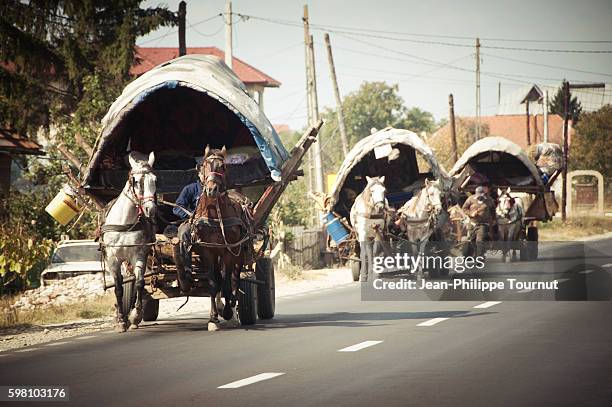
x,y
381,150
183,105
519,169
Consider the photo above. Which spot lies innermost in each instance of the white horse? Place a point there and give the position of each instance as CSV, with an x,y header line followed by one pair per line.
x,y
418,216
127,232
368,217
510,220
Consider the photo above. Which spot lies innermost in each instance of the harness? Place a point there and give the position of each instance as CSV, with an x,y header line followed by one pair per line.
x,y
142,223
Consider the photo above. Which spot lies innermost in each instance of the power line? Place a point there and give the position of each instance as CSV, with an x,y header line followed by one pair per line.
x,y
546,65
176,30
364,32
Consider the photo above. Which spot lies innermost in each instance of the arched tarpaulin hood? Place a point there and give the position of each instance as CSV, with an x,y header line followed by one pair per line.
x,y
499,144
202,73
386,136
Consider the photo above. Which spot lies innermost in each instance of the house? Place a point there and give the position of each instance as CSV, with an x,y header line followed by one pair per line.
x,y
12,144
255,80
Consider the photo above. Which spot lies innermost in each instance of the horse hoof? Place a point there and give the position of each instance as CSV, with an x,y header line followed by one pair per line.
x,y
133,326
135,317
120,327
213,326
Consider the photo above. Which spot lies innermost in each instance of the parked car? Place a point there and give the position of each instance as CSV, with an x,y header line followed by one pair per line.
x,y
72,258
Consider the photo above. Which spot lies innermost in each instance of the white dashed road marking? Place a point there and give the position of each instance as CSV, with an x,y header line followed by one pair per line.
x,y
432,322
250,380
585,271
55,343
85,337
562,280
359,346
525,291
607,265
487,304
25,350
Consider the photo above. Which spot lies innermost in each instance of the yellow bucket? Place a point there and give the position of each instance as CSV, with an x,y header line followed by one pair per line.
x,y
63,208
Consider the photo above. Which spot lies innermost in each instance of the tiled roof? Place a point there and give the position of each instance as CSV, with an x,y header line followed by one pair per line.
x,y
513,127
10,142
150,57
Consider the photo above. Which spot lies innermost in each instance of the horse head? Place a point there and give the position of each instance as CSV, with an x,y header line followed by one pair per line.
x,y
433,194
212,173
377,191
142,183
505,203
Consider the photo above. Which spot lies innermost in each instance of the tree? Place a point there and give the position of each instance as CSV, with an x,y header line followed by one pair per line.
x,y
592,144
557,105
50,49
418,121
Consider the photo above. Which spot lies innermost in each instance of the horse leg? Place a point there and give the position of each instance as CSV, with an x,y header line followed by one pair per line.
x,y
213,285
231,282
115,267
135,315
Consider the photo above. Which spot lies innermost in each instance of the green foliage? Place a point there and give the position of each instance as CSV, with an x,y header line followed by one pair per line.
x,y
592,144
53,46
22,254
418,121
557,105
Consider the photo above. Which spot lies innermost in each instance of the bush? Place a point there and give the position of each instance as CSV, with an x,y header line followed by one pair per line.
x,y
23,255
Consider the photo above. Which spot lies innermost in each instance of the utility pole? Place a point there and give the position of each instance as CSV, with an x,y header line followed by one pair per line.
x,y
318,164
527,115
477,88
498,94
182,15
308,100
565,150
229,52
546,116
312,96
566,112
451,115
332,71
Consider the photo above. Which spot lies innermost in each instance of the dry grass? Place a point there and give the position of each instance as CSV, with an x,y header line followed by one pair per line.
x,y
574,228
98,308
291,272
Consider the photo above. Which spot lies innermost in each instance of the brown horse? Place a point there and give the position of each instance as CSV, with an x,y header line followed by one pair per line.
x,y
223,237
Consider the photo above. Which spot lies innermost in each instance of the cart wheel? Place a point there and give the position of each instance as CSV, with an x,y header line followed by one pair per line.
x,y
247,303
150,308
524,251
266,294
532,239
355,269
129,297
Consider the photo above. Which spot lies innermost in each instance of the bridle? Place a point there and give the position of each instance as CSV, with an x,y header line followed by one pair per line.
x,y
139,200
505,211
213,174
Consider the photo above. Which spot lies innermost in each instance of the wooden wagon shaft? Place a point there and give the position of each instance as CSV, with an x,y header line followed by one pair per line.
x,y
274,191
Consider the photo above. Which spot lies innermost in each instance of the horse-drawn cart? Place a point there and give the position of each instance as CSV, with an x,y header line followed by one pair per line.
x,y
176,110
505,168
402,158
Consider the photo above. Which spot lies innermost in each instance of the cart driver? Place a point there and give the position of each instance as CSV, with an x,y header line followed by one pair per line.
x,y
186,204
481,210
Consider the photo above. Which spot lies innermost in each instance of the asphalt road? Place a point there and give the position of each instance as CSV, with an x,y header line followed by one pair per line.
x,y
331,348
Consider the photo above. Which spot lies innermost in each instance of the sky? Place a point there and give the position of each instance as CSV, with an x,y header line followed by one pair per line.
x,y
426,47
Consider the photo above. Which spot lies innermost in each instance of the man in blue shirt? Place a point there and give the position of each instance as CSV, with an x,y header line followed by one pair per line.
x,y
186,201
